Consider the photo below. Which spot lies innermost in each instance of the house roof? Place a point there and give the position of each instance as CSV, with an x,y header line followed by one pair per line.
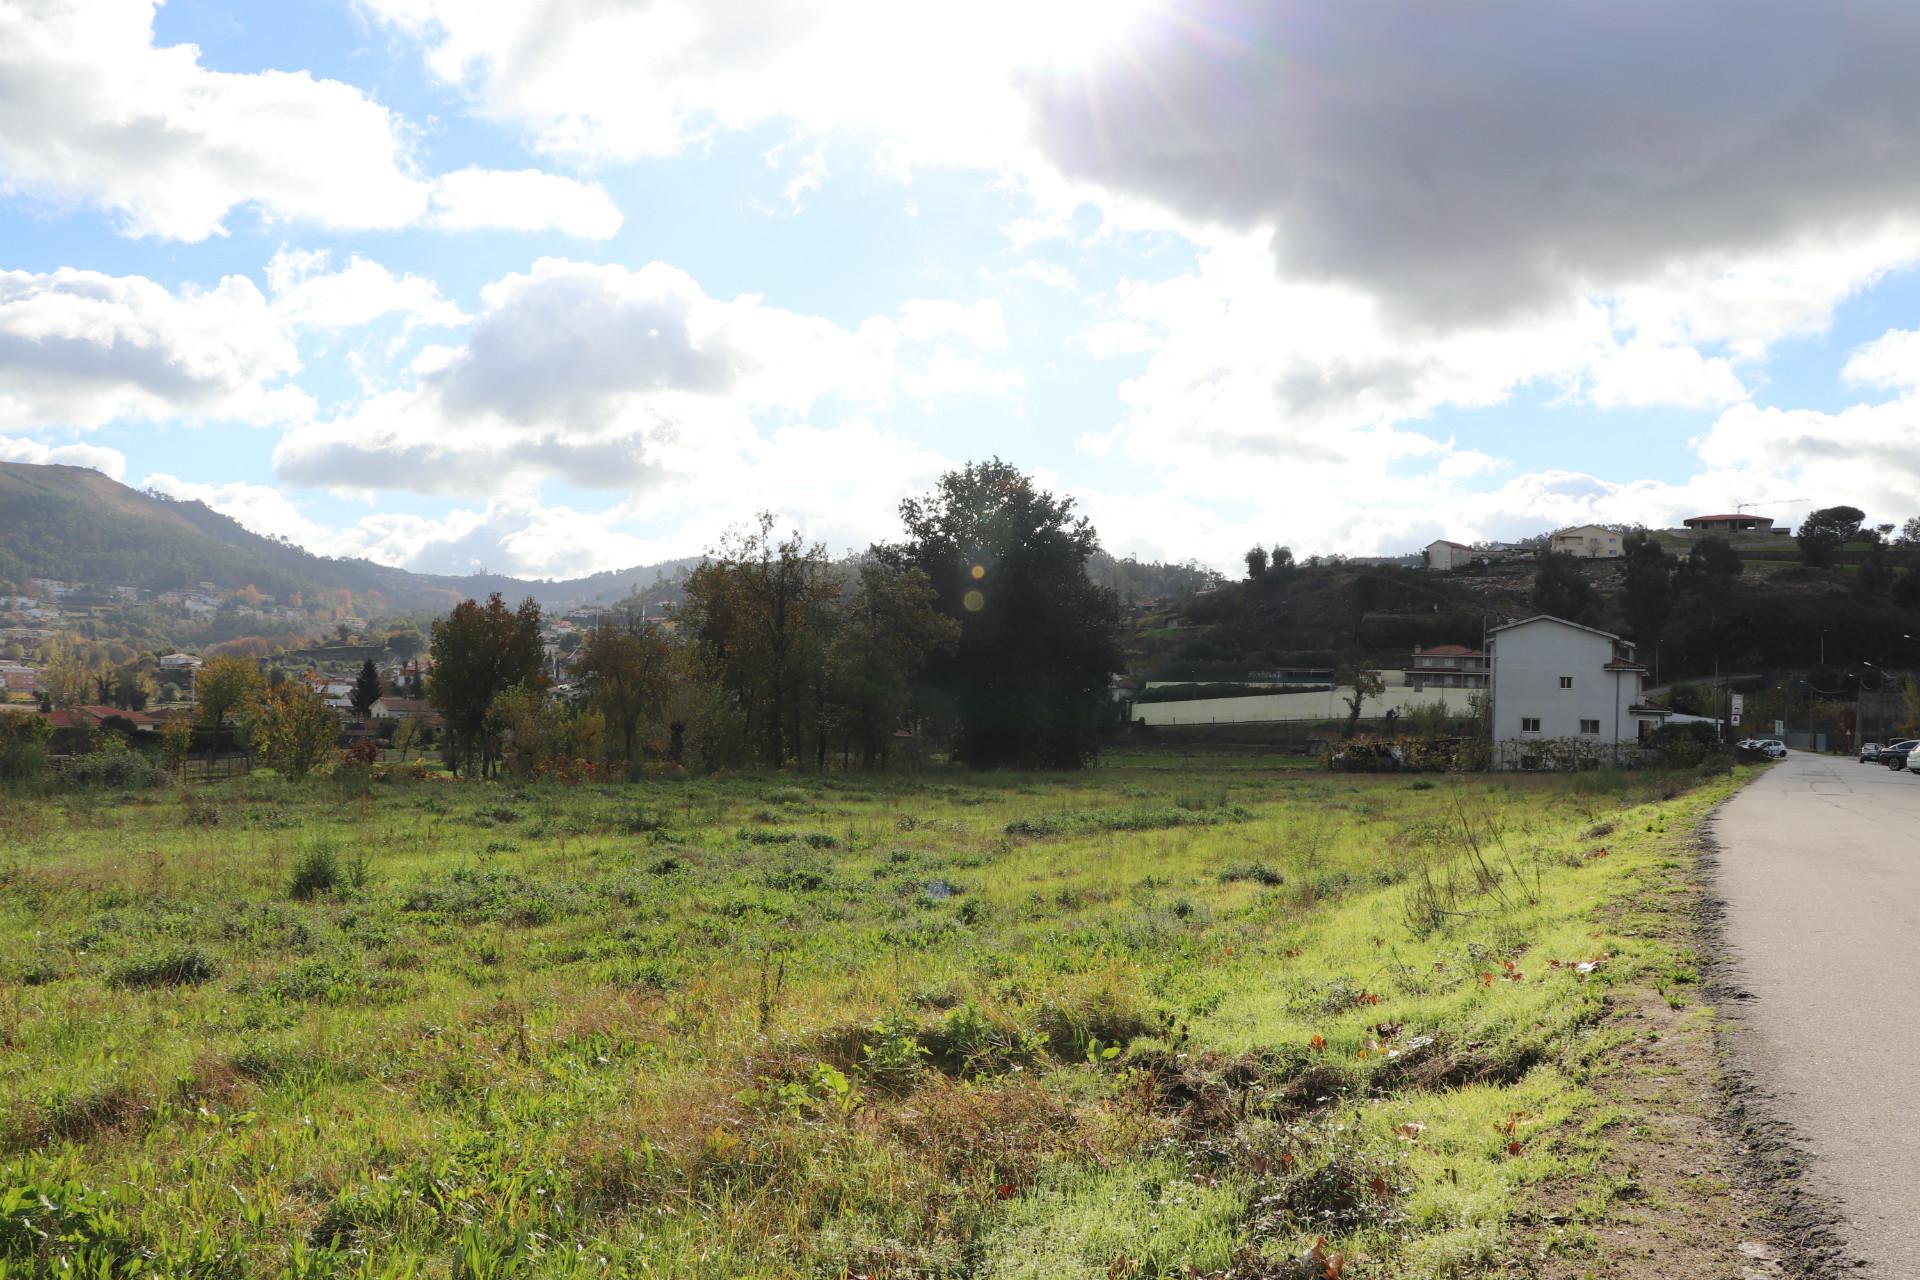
x,y
1705,519
1649,709
102,713
1583,528
419,706
1443,542
1448,651
1547,617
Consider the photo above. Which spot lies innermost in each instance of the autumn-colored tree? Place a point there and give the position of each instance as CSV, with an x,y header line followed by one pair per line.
x,y
293,729
66,674
626,665
224,686
176,741
479,652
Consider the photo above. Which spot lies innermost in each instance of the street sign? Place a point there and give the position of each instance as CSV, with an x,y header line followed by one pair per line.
x,y
1739,706
1779,728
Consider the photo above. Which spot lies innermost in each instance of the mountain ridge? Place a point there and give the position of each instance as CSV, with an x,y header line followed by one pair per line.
x,y
80,525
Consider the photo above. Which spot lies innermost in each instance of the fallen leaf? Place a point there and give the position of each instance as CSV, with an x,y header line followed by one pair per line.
x,y
1410,1131
1005,1191
1513,1148
1378,1186
1318,1044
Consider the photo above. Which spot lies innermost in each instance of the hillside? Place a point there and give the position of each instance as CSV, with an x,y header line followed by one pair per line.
x,y
1773,614
76,524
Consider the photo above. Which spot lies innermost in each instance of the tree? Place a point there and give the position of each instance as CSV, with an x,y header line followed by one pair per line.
x,y
1256,564
1027,684
626,666
293,729
754,610
1282,558
406,643
176,741
224,686
1562,590
891,629
1365,684
1647,597
1824,532
366,689
479,652
66,676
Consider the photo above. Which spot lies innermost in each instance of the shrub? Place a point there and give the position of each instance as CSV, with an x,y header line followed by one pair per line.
x,y
316,872
181,968
1258,872
112,763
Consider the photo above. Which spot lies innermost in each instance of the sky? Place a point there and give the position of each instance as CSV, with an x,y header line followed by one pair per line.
x,y
553,287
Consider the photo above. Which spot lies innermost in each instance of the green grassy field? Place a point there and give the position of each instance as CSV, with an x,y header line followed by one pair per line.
x,y
1156,1019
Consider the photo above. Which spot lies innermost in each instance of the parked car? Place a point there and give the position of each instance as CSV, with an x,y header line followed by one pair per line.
x,y
1894,754
1771,748
1869,753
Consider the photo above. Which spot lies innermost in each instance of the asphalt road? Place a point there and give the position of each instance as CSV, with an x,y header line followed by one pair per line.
x,y
1820,869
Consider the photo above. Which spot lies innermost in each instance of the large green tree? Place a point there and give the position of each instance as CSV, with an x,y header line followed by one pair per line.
x,y
890,629
293,729
1028,681
1824,532
1560,588
754,610
479,652
627,667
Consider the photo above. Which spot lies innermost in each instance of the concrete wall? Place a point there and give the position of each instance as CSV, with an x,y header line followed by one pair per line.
x,y
1296,706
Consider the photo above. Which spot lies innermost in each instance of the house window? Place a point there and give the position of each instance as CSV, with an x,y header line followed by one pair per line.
x,y
1529,724
1566,682
1590,726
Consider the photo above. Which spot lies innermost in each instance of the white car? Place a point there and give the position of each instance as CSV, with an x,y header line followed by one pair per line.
x,y
1772,748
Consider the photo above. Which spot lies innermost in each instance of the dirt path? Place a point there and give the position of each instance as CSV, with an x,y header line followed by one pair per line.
x,y
1820,869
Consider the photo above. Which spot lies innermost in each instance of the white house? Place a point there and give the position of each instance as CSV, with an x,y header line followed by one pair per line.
x,y
1590,542
1442,555
1563,692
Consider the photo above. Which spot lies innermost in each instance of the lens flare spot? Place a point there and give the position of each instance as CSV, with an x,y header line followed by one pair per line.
x,y
974,601
979,571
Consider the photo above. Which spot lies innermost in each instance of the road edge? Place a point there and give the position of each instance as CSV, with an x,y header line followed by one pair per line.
x,y
1769,1156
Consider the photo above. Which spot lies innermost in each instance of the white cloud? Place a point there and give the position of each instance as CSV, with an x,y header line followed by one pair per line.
x,y
1051,274
980,323
1643,373
307,295
261,508
604,376
79,349
949,373
1890,360
522,200
92,112
110,461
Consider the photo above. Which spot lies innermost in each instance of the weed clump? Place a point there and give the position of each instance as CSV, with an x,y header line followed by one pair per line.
x,y
1257,872
318,871
182,968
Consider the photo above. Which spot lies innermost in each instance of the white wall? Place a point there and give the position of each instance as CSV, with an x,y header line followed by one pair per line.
x,y
1528,662
1296,706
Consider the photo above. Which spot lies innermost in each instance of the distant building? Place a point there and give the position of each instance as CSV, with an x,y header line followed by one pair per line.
x,y
1448,666
1442,555
1729,524
1561,690
180,662
1590,542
